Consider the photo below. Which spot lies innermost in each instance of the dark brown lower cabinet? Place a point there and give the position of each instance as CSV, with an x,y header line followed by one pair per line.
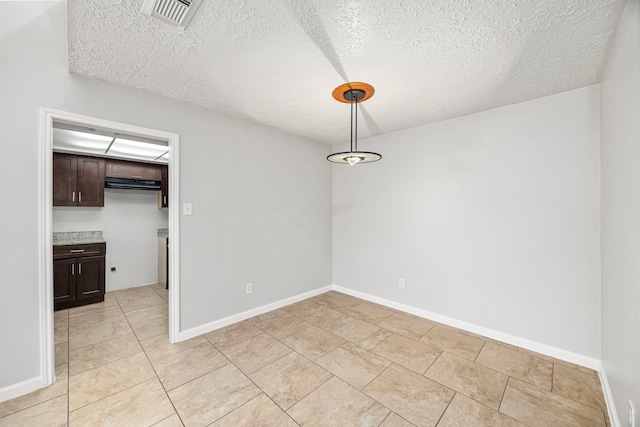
x,y
78,275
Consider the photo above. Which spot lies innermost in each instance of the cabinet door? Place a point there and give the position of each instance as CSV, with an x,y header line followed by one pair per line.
x,y
64,280
133,170
90,277
163,194
64,179
91,172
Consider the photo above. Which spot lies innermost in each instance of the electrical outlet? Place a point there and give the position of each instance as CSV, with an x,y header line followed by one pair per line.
x,y
632,415
113,268
401,283
249,288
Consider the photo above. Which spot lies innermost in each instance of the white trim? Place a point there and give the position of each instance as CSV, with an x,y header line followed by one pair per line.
x,y
15,390
174,235
45,250
548,350
45,290
221,323
608,397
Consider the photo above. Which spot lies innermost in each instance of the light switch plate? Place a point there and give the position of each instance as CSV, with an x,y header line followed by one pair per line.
x,y
187,209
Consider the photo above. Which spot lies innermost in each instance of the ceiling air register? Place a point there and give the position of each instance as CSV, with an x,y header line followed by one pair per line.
x,y
352,93
174,12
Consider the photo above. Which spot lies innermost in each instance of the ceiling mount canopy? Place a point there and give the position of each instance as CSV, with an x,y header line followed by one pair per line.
x,y
353,93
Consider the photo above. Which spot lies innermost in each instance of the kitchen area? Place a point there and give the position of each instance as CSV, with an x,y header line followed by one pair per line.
x,y
110,216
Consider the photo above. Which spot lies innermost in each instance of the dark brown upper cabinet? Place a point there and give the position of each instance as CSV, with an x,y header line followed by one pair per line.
x,y
133,170
78,180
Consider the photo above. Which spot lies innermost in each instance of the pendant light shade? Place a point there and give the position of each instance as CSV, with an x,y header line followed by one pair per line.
x,y
353,93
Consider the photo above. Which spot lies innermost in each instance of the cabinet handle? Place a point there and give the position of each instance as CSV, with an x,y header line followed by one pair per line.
x,y
73,196
79,196
73,269
135,176
165,199
76,251
80,268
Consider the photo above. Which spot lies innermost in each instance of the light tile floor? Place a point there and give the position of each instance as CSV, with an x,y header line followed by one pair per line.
x,y
331,360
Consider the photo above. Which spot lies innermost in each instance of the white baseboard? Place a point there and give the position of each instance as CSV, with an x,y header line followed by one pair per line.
x,y
545,349
21,388
221,323
608,397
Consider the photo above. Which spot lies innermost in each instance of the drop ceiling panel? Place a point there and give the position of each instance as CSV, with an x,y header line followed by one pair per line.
x,y
276,62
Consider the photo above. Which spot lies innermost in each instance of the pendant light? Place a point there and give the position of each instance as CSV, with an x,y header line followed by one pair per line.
x,y
352,93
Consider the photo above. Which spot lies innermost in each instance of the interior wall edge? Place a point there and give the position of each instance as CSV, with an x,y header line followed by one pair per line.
x,y
608,396
548,350
229,320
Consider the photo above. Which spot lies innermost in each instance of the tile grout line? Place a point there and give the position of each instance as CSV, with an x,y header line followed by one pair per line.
x,y
154,368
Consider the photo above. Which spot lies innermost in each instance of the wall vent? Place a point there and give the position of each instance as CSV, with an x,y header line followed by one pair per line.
x,y
174,12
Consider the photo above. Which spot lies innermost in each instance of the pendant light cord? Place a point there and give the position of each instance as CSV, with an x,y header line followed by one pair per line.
x,y
355,139
351,93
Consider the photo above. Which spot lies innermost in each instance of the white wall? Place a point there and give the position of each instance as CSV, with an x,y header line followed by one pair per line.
x,y
621,215
129,222
261,198
491,219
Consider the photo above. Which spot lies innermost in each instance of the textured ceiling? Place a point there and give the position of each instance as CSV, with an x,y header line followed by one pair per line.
x,y
276,62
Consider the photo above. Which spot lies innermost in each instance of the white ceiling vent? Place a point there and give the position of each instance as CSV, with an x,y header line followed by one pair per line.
x,y
174,12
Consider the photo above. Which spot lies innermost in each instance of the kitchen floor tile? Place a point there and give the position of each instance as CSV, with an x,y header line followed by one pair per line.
x,y
406,324
395,420
137,298
412,396
338,301
328,319
289,379
233,334
536,407
59,388
279,325
463,411
335,403
258,412
313,342
256,352
558,361
52,413
141,405
97,308
517,364
409,353
471,379
98,383
95,355
354,365
96,318
82,337
212,396
369,312
180,368
109,373
452,341
152,328
62,353
362,333
147,314
171,421
580,386
159,346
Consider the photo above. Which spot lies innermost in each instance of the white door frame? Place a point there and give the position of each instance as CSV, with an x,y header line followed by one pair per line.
x,y
45,198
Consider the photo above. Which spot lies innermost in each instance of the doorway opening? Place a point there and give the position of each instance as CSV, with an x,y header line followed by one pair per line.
x,y
50,119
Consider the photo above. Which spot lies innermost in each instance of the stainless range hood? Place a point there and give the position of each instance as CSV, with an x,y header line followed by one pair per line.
x,y
132,184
